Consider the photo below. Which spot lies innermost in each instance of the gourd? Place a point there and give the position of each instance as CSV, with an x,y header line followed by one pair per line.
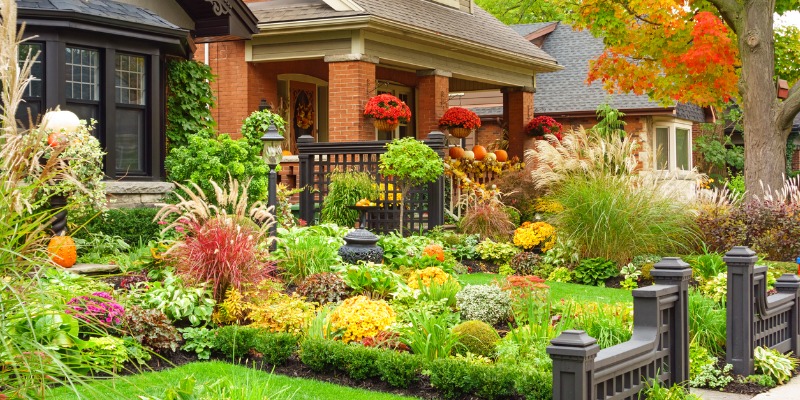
x,y
469,155
456,152
479,151
62,251
59,122
502,155
491,157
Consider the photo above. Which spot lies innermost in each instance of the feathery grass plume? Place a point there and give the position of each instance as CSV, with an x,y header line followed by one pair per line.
x,y
580,152
230,203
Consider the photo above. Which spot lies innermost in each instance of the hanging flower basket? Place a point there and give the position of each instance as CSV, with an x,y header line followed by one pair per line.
x,y
459,121
459,132
388,112
384,125
540,126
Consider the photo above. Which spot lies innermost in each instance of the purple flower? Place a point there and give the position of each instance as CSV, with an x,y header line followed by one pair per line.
x,y
100,306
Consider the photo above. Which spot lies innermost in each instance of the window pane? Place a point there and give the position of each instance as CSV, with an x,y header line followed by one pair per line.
x,y
83,74
31,50
83,111
35,108
682,148
662,148
130,140
130,79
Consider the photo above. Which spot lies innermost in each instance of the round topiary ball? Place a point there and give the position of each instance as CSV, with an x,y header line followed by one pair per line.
x,y
476,337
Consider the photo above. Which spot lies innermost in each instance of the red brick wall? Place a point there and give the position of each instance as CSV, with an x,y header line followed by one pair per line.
x,y
350,83
489,132
518,110
432,98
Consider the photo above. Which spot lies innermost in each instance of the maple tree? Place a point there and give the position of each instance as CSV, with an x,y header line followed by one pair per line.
x,y
523,11
704,52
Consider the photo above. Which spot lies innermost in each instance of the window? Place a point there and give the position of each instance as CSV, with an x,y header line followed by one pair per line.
x,y
83,82
673,147
34,94
129,88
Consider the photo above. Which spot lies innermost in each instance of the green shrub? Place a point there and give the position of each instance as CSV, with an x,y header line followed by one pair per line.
x,y
234,341
399,369
534,383
257,123
151,328
497,252
618,217
323,288
595,271
189,102
275,348
526,263
345,189
485,303
476,337
320,354
133,225
305,251
429,335
359,361
457,379
560,274
198,340
373,280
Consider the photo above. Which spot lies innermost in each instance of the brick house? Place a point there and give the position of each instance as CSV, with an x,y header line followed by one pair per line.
x,y
565,96
106,60
317,62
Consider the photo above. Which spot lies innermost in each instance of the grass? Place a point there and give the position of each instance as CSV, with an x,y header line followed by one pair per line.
x,y
558,290
217,380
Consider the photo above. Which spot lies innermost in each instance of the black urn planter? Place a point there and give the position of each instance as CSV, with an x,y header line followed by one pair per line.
x,y
360,245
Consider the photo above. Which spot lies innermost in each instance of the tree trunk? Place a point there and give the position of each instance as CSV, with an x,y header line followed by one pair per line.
x,y
764,141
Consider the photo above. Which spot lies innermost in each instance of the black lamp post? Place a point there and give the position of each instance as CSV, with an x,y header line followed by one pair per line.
x,y
273,154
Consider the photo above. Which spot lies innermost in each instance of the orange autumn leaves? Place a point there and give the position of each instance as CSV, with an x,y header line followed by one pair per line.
x,y
664,48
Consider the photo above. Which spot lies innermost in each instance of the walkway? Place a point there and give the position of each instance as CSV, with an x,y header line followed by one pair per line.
x,y
788,391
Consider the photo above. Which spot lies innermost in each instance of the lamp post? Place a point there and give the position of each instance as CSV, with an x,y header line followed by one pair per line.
x,y
272,156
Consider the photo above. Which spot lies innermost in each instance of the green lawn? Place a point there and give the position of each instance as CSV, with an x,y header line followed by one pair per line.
x,y
560,290
219,380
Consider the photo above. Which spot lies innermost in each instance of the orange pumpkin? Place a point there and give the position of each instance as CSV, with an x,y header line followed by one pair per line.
x,y
434,250
480,152
287,152
62,251
502,155
456,152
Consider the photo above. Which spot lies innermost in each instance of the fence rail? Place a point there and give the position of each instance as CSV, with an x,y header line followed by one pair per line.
x,y
755,319
424,205
658,349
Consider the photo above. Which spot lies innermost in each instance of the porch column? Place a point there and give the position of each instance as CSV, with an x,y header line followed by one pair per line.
x,y
517,111
351,82
433,92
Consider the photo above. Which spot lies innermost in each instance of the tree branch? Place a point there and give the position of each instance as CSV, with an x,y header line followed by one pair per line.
x,y
790,108
730,10
638,16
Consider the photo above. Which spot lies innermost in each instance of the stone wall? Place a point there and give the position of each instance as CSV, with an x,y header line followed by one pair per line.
x,y
126,194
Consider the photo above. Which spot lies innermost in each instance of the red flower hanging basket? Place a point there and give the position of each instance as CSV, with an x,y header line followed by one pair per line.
x,y
459,121
384,125
388,111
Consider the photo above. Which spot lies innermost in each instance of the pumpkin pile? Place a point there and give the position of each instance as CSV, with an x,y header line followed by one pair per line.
x,y
478,153
62,251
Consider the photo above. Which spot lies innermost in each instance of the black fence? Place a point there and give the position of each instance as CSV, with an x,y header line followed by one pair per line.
x,y
424,205
755,319
657,351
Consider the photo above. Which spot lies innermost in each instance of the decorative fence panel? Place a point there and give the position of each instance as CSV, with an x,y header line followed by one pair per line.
x,y
658,349
755,319
424,205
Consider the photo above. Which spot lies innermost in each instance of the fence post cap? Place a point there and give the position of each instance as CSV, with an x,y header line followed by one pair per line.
x,y
741,252
671,270
305,139
435,135
671,263
573,338
790,282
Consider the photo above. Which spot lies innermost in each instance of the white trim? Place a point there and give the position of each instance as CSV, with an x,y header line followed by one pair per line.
x,y
672,125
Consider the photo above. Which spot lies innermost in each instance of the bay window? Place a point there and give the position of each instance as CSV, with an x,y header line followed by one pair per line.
x,y
673,146
34,93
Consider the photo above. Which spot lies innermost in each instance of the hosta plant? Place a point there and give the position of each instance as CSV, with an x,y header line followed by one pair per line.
x,y
774,364
595,271
370,279
498,252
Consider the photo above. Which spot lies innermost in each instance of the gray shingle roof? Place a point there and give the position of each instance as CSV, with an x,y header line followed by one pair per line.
x,y
98,8
479,27
566,90
526,29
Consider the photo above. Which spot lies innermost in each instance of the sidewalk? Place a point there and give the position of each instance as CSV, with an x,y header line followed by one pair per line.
x,y
788,391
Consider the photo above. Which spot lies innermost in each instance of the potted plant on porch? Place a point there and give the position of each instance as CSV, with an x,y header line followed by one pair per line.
x,y
387,111
459,121
543,125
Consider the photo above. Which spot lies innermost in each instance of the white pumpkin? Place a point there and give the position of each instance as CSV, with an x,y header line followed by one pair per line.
x,y
491,157
469,155
60,121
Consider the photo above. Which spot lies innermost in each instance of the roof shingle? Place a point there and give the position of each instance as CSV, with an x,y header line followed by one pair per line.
x,y
99,8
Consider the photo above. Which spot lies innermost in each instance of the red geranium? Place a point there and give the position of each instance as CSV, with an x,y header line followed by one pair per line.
x,y
388,108
460,117
544,125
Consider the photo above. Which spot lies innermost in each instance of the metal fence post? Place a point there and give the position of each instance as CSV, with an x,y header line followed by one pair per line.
x,y
790,284
741,297
573,353
674,271
306,171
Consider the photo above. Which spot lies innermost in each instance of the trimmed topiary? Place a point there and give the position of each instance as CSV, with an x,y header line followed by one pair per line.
x,y
486,303
476,337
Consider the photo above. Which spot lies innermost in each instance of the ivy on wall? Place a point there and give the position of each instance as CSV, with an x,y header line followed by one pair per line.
x,y
189,102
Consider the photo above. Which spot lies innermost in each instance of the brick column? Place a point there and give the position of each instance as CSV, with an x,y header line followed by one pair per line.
x,y
351,82
517,111
433,92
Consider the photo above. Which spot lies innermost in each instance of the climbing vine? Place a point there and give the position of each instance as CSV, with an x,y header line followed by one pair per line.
x,y
189,101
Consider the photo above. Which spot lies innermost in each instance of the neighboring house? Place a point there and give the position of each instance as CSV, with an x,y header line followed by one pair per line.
x,y
664,132
106,60
319,61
